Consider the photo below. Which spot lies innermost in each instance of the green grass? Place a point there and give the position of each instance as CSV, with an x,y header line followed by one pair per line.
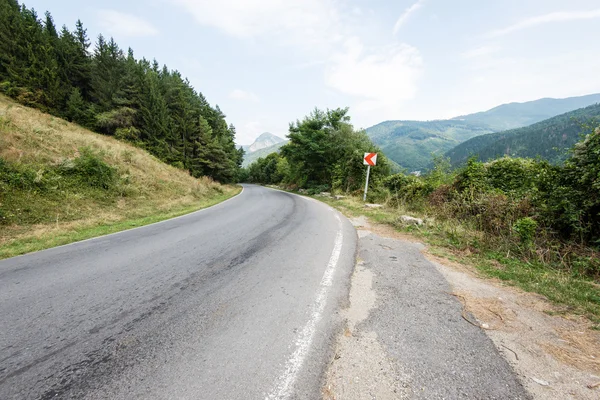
x,y
573,292
30,244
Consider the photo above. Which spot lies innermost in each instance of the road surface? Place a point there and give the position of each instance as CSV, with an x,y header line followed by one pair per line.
x,y
238,301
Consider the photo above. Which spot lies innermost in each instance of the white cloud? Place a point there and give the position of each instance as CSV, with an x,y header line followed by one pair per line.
x,y
239,94
325,34
561,16
121,24
501,80
381,78
406,15
308,22
479,52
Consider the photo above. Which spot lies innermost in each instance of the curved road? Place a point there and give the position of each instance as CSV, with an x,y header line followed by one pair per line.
x,y
238,301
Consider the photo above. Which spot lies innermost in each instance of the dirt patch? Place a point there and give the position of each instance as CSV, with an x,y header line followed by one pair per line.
x,y
555,356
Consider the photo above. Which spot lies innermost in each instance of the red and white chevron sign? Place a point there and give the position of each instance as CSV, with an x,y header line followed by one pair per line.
x,y
370,159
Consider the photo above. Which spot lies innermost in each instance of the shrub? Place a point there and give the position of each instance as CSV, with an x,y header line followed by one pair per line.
x,y
515,175
526,228
406,187
316,189
472,178
89,169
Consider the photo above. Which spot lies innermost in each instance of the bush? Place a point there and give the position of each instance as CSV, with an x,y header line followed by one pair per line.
x,y
89,169
407,187
515,175
526,228
316,189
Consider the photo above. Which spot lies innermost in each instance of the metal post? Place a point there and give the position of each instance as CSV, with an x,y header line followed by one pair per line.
x,y
367,183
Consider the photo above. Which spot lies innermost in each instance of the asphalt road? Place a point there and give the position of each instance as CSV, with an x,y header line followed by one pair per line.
x,y
238,301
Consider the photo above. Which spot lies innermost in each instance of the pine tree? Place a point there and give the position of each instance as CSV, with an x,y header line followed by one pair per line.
x,y
155,119
77,108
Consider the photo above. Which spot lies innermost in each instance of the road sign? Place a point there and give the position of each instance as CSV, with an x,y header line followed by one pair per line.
x,y
370,159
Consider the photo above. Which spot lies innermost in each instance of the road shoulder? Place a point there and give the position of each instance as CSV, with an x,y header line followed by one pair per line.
x,y
483,339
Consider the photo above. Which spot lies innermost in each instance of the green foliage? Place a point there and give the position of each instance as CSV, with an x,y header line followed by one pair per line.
x,y
406,188
572,204
113,93
472,178
324,153
90,170
526,228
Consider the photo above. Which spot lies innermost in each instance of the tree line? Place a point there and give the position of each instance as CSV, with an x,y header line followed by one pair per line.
x,y
109,91
324,152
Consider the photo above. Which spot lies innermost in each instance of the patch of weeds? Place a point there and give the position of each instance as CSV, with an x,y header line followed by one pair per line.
x,y
90,170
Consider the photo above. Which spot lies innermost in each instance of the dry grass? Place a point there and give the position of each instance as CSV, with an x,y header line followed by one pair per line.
x,y
148,187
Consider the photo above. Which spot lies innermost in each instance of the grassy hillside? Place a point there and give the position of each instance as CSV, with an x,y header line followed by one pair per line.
x,y
516,115
548,139
411,143
60,183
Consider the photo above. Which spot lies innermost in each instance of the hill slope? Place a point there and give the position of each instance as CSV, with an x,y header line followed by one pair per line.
x,y
60,183
516,115
411,143
548,139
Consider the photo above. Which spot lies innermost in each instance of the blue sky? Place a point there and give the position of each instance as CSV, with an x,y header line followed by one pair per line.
x,y
269,62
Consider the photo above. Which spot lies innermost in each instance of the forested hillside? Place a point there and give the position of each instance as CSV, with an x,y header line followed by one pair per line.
x,y
549,139
412,143
106,89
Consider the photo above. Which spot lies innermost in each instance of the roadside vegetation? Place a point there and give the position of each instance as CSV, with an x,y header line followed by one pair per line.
x,y
60,183
526,221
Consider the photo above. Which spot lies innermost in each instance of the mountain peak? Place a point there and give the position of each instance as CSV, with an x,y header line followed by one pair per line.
x,y
268,136
266,139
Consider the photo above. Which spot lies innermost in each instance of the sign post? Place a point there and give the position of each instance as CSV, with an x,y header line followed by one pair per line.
x,y
368,160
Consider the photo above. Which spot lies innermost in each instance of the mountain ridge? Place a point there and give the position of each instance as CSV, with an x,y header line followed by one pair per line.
x,y
411,143
549,139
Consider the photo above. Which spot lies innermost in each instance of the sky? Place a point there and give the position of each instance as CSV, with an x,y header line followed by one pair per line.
x,y
267,63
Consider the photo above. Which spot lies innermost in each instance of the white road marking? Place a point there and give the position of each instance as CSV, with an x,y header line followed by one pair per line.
x,y
285,382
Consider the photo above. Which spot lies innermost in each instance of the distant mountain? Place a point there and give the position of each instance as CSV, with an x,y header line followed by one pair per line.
x,y
517,115
548,139
264,140
264,145
249,158
412,143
